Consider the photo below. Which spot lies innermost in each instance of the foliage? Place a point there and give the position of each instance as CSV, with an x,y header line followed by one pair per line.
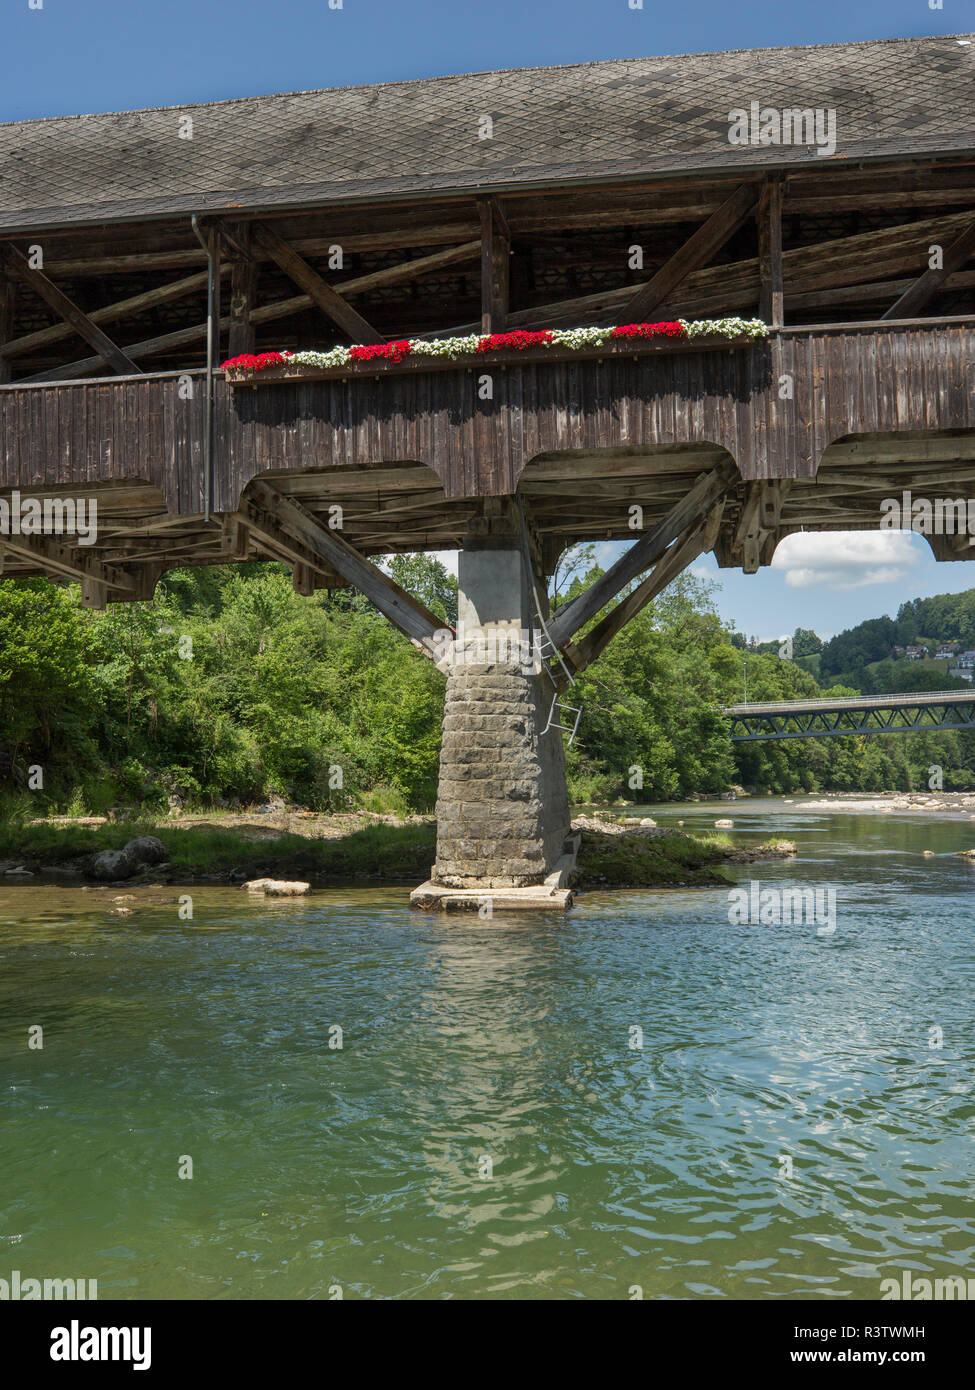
x,y
229,688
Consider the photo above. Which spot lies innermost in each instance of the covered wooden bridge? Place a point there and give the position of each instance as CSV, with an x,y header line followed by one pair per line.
x,y
140,250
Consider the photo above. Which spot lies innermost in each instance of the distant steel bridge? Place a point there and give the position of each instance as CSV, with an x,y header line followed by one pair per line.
x,y
859,714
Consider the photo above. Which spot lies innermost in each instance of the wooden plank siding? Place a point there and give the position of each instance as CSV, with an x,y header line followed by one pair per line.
x,y
847,380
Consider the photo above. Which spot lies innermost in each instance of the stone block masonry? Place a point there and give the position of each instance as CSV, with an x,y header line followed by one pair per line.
x,y
502,805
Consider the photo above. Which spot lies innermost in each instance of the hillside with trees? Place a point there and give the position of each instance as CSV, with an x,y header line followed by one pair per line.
x,y
862,656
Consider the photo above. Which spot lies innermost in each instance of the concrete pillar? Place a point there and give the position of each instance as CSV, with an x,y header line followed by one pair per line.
x,y
502,806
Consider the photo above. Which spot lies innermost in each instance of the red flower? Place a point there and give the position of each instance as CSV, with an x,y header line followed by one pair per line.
x,y
392,352
249,362
519,339
648,330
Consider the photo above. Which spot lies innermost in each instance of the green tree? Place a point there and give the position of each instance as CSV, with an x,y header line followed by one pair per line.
x,y
428,580
46,684
805,642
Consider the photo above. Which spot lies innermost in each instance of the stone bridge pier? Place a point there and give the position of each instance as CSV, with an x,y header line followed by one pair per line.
x,y
502,805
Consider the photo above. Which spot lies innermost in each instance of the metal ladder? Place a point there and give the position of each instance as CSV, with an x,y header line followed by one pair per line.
x,y
568,709
547,647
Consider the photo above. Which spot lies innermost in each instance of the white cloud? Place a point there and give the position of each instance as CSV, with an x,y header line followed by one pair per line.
x,y
845,559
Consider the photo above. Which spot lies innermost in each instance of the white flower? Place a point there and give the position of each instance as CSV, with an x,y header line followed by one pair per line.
x,y
724,328
577,338
461,346
334,357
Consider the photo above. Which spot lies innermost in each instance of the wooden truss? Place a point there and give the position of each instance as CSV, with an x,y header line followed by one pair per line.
x,y
793,245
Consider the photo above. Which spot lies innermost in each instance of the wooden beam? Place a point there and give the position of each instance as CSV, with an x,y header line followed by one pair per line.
x,y
180,337
637,205
770,302
303,580
926,286
411,270
369,479
329,301
7,305
243,295
748,532
404,611
250,531
94,594
122,308
267,313
236,537
695,252
730,287
696,503
376,279
495,253
697,540
66,562
774,494
133,263
17,262
758,525
875,292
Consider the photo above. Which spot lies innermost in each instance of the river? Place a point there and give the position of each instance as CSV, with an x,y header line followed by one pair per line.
x,y
489,1127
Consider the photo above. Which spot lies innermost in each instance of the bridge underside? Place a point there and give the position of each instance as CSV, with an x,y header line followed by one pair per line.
x,y
569,496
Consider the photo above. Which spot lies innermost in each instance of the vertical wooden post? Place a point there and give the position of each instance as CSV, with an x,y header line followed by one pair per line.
x,y
6,321
303,580
495,249
771,306
243,295
94,594
215,241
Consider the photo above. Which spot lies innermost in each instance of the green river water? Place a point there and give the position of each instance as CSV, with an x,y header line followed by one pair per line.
x,y
508,1040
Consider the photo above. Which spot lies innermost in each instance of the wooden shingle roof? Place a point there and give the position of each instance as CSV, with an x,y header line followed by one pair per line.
x,y
607,120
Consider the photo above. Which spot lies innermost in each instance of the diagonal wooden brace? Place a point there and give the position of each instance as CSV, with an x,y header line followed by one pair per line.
x,y
331,303
73,562
17,263
696,252
697,540
692,508
311,540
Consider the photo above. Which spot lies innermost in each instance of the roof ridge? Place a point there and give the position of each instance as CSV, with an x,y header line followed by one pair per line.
x,y
487,72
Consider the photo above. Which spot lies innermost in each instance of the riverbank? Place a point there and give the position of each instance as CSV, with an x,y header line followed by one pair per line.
x,y
886,803
328,850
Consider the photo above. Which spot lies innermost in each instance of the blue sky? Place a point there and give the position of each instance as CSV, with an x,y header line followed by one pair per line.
x,y
832,581
73,56
113,55
826,582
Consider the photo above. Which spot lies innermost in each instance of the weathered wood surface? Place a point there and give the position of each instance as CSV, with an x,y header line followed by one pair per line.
x,y
844,380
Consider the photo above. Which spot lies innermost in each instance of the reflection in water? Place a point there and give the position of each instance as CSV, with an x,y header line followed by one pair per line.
x,y
485,1112
509,1041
